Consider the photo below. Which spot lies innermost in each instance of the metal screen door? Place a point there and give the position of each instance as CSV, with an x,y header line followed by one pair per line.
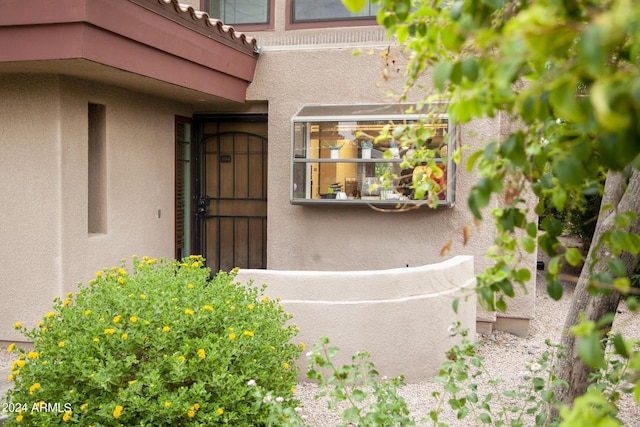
x,y
233,205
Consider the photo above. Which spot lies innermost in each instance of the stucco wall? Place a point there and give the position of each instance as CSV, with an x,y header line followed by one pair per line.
x,y
290,75
45,247
400,316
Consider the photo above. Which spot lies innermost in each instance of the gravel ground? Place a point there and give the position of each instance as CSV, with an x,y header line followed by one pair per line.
x,y
506,357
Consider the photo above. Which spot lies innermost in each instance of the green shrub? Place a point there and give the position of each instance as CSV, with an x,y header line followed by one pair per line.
x,y
165,345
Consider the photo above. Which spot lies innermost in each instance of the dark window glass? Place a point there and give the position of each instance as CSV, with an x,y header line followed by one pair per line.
x,y
328,10
234,12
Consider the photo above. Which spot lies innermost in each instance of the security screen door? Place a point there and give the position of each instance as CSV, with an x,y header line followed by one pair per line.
x,y
232,208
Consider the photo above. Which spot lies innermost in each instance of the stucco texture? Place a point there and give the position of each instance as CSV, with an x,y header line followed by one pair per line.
x,y
46,248
359,238
400,316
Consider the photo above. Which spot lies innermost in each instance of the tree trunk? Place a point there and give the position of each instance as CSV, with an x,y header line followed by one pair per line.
x,y
622,191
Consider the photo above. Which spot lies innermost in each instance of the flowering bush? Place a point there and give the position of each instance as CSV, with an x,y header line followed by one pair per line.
x,y
165,345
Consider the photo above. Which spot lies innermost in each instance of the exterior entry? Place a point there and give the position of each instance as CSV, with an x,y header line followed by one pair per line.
x,y
231,211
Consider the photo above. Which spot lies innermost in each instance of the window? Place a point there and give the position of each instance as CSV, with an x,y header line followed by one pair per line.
x,y
183,208
240,12
328,10
338,159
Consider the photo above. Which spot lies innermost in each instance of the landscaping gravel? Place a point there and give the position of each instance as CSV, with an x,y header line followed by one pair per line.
x,y
506,358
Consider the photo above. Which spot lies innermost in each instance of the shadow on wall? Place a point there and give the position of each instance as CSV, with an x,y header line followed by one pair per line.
x,y
401,316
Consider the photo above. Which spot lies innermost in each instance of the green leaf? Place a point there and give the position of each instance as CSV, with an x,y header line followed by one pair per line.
x,y
441,74
528,244
455,304
485,418
554,288
354,6
358,395
617,267
473,158
470,69
590,350
620,346
573,256
351,414
523,275
569,171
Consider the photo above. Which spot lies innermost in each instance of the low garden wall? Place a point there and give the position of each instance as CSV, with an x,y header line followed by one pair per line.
x,y
401,316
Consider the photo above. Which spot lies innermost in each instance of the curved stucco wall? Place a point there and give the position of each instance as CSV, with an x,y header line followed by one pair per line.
x,y
399,315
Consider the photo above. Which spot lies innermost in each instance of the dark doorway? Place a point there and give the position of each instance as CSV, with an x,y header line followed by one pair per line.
x,y
231,220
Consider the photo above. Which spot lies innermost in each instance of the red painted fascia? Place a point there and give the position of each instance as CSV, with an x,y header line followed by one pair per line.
x,y
124,35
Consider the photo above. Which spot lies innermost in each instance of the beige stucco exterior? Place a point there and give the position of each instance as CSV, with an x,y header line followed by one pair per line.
x,y
317,67
45,247
401,316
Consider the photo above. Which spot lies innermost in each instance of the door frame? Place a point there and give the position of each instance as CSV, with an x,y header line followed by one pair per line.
x,y
200,139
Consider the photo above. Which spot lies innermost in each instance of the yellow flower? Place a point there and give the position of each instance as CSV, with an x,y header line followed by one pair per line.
x,y
61,344
39,324
117,412
167,404
166,329
196,406
293,389
96,340
32,355
124,336
232,336
208,307
117,319
122,272
191,413
220,411
109,331
133,319
201,353
142,296
132,382
265,299
188,311
248,333
121,280
67,416
195,264
10,378
233,307
99,273
250,306
87,312
19,418
286,365
11,347
182,358
49,314
83,406
190,286
302,346
34,387
17,325
66,302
